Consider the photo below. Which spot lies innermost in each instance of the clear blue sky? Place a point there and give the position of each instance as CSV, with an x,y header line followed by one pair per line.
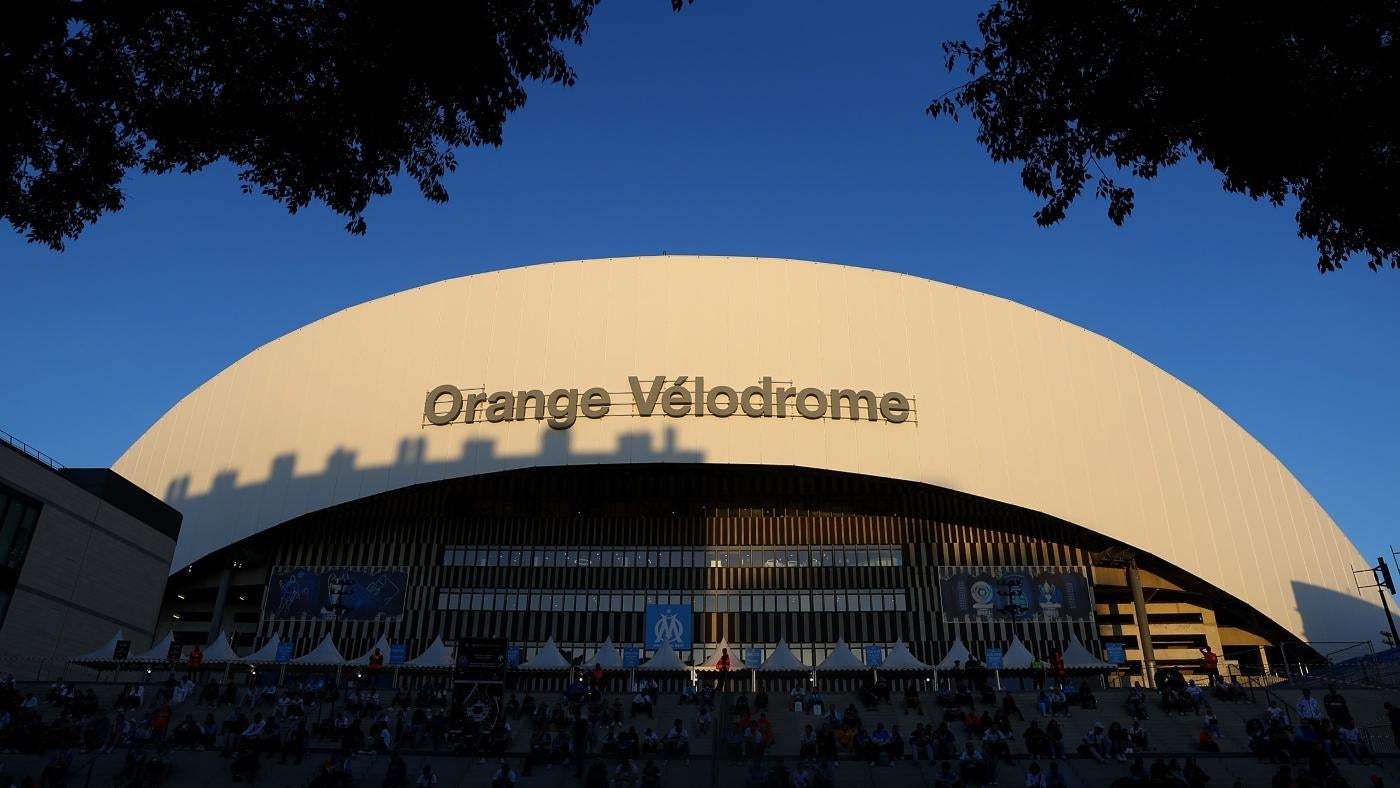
x,y
790,130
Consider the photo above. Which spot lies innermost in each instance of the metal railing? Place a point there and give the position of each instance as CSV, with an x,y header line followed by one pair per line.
x,y
1249,682
1380,737
29,451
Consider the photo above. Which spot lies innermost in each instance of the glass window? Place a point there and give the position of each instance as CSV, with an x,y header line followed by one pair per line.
x,y
840,600
516,557
596,559
677,558
663,558
619,558
804,604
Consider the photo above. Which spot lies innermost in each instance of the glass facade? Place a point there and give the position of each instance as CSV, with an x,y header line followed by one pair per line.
x,y
18,516
593,600
769,557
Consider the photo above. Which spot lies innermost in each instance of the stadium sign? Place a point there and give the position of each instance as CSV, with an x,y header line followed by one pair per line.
x,y
675,398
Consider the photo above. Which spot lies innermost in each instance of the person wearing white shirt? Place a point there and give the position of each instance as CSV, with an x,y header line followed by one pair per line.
x,y
1308,707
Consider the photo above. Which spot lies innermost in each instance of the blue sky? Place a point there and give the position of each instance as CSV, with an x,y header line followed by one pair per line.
x,y
790,130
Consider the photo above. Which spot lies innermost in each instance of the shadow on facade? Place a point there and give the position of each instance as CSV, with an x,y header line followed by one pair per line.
x,y
284,494
1327,614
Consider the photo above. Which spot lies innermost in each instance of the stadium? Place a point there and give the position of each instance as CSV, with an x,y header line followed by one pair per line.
x,y
758,450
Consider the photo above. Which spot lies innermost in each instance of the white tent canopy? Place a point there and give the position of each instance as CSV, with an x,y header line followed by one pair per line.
x,y
901,658
957,653
1076,656
607,656
220,651
158,652
782,658
547,658
325,653
736,661
841,658
102,653
664,659
436,655
266,654
382,644
1017,656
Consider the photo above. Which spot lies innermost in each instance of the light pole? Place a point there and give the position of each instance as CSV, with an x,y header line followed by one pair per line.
x,y
1380,573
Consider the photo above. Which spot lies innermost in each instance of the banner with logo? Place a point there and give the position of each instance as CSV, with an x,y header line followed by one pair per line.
x,y
335,593
1117,655
668,624
1028,593
874,655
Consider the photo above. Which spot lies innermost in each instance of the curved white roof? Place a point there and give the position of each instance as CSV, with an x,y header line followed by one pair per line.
x,y
1009,404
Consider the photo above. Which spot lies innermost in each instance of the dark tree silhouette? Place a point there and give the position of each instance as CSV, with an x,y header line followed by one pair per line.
x,y
310,99
1291,99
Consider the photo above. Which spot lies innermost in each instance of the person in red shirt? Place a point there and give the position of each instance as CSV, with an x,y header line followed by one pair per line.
x,y
722,669
376,664
1212,664
196,659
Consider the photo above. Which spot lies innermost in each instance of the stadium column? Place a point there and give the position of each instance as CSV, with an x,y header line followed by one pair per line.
x,y
1149,659
216,617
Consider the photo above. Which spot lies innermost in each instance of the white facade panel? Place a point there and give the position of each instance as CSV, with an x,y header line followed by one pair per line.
x,y
1012,405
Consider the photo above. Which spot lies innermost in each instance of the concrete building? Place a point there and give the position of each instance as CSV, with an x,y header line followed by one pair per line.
x,y
86,553
793,450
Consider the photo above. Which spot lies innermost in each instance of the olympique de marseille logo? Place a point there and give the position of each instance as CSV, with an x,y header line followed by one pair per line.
x,y
668,629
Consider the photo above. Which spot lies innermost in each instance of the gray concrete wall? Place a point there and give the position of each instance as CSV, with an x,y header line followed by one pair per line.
x,y
91,569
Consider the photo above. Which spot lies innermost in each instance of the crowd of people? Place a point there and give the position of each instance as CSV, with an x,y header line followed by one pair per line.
x,y
964,730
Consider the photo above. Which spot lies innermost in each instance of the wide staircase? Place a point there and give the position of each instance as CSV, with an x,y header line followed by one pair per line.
x,y
715,760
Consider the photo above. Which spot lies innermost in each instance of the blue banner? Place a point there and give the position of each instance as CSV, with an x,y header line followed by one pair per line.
x,y
335,594
669,624
753,657
1115,654
631,657
398,653
284,651
874,655
513,656
1015,593
994,657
